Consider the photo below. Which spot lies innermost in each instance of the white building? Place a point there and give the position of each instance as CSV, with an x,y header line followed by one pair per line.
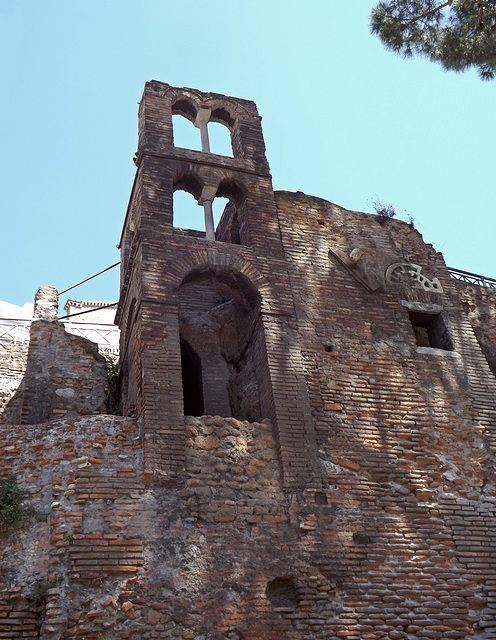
x,y
89,319
15,322
94,321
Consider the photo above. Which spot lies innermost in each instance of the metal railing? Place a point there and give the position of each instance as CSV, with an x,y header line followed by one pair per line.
x,y
14,331
472,278
106,336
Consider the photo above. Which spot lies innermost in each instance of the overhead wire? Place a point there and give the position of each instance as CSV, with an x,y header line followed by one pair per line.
x,y
80,313
90,278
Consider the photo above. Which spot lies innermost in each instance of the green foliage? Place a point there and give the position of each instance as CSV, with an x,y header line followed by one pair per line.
x,y
458,34
13,511
114,381
387,211
384,210
38,595
68,537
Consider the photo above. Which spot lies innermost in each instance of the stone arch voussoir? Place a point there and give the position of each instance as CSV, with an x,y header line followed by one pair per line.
x,y
182,268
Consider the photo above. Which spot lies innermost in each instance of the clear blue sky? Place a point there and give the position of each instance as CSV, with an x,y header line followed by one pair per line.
x,y
343,119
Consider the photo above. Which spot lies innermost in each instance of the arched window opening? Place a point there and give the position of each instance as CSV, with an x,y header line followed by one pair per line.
x,y
184,107
220,139
186,135
218,206
228,228
192,380
187,213
219,319
217,131
222,116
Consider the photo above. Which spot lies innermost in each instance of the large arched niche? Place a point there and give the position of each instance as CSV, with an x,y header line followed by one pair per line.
x,y
224,361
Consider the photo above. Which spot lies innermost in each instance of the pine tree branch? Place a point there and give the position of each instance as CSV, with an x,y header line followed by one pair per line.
x,y
481,13
435,10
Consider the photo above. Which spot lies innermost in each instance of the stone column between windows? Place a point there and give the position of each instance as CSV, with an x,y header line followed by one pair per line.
x,y
206,199
201,122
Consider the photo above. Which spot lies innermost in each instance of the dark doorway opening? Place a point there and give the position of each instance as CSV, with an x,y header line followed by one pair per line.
x,y
192,381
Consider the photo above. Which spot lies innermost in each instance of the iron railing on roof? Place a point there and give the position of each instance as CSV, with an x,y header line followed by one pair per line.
x,y
472,278
14,331
106,336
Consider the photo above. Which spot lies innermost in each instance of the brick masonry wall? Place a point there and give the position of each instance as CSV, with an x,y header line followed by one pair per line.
x,y
480,305
405,434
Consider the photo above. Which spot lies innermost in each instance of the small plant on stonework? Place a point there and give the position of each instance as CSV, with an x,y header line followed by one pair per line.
x,y
410,220
387,211
13,510
38,594
114,381
384,211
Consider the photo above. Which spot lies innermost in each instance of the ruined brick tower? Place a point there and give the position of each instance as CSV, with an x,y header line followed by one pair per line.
x,y
307,449
219,304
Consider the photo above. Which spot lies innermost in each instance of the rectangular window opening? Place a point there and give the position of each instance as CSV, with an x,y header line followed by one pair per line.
x,y
430,330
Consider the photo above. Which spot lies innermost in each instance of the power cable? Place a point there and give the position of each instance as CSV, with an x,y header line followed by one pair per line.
x,y
86,280
80,313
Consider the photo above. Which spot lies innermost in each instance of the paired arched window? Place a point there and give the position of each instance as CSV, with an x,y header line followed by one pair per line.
x,y
188,214
202,128
226,206
187,128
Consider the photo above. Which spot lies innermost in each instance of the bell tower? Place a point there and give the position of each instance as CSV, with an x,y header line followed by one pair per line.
x,y
207,318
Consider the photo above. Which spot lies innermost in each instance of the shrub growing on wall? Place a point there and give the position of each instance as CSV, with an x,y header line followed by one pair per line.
x,y
13,510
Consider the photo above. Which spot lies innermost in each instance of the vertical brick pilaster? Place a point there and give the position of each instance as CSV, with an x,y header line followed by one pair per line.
x,y
162,400
295,433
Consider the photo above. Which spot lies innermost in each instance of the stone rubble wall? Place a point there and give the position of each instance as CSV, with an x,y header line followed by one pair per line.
x,y
56,374
118,557
229,555
65,375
